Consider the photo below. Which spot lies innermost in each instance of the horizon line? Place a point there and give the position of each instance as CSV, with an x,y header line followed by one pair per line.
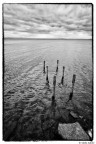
x,y
49,38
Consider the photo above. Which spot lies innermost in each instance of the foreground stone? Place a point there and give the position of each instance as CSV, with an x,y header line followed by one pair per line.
x,y
72,132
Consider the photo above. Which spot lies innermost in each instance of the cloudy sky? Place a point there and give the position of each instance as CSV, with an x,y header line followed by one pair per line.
x,y
47,21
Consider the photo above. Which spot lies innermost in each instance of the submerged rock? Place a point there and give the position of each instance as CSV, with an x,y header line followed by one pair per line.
x,y
72,131
74,114
90,133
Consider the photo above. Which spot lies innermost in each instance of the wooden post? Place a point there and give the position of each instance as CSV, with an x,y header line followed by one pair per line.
x,y
71,93
54,84
53,97
47,80
73,82
62,79
44,67
57,66
63,70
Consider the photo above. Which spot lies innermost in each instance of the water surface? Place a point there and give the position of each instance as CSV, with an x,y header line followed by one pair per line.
x,y
25,87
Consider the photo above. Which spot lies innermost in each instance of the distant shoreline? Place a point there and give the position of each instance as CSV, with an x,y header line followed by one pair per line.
x,y
43,39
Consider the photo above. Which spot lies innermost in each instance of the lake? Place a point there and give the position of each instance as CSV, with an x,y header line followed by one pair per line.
x,y
25,90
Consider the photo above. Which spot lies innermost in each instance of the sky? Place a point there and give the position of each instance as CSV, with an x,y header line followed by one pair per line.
x,y
48,21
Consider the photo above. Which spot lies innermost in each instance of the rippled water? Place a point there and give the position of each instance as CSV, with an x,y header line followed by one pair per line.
x,y
25,92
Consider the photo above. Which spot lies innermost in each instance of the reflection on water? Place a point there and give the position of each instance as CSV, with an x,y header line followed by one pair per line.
x,y
26,95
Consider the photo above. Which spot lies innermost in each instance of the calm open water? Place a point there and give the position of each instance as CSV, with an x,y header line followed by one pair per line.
x,y
25,84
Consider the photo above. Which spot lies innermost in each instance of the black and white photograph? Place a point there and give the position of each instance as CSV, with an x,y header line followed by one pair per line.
x,y
47,72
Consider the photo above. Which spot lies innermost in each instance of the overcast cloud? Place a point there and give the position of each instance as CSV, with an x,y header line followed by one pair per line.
x,y
48,21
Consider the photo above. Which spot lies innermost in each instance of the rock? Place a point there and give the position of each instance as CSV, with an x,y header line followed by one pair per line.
x,y
74,114
72,132
90,133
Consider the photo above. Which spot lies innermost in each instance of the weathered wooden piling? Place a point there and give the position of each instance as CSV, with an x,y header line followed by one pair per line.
x,y
62,79
54,84
53,96
70,96
57,66
73,82
44,67
71,93
47,80
57,61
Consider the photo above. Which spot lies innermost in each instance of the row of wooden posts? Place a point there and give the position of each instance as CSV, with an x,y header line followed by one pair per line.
x,y
62,80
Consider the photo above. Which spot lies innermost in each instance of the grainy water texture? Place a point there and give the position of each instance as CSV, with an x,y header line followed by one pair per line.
x,y
26,96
